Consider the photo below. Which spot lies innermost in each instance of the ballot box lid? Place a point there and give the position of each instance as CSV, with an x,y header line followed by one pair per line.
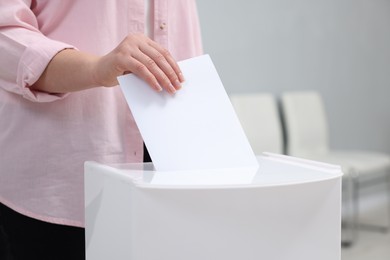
x,y
273,170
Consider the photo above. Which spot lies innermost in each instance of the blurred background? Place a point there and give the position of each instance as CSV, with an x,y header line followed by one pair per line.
x,y
338,48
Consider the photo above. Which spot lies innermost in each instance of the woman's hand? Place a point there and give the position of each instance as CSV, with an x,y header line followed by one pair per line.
x,y
139,55
71,70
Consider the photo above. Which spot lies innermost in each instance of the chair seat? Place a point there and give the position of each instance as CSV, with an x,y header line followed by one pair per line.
x,y
359,162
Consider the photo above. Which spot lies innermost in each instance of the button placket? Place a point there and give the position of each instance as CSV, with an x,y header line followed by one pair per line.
x,y
161,22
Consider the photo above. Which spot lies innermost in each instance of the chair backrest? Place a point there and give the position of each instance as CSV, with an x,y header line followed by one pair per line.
x,y
259,117
305,123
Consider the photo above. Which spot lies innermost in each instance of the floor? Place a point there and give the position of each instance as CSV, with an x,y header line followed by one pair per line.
x,y
371,245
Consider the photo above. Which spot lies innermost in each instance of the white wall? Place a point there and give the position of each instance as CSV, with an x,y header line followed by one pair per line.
x,y
338,47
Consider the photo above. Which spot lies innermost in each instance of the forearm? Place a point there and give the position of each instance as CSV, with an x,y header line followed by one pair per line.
x,y
69,71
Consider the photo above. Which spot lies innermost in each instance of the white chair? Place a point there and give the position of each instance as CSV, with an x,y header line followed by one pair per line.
x,y
307,137
259,117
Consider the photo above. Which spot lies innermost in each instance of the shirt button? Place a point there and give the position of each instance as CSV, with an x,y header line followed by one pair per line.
x,y
162,26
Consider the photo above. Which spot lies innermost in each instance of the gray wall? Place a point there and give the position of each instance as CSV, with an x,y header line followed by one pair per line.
x,y
339,47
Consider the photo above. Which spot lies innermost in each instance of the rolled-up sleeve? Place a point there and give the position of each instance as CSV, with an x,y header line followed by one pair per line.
x,y
25,51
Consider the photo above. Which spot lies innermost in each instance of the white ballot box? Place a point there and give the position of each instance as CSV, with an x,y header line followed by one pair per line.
x,y
287,209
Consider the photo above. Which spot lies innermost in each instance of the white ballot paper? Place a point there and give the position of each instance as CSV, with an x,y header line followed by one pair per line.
x,y
194,129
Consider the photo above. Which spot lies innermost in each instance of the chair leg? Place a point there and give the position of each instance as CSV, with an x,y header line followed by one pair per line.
x,y
388,200
351,226
356,206
381,228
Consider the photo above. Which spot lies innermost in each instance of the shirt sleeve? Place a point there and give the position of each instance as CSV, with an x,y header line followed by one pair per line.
x,y
25,51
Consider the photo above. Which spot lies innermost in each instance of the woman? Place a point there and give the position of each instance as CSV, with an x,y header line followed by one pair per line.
x,y
59,105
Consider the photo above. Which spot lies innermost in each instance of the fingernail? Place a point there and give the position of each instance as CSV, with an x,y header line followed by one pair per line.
x,y
172,89
177,84
181,77
158,88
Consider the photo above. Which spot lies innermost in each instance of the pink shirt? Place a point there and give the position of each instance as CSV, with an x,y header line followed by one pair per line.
x,y
46,138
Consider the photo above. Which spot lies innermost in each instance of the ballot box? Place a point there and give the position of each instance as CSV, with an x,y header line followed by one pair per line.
x,y
287,209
